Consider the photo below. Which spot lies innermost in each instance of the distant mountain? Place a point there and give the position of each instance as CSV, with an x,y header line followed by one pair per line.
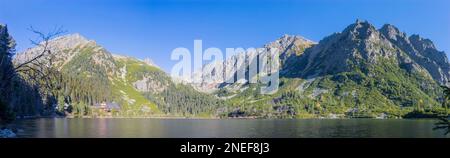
x,y
359,72
422,51
93,75
286,45
361,42
384,69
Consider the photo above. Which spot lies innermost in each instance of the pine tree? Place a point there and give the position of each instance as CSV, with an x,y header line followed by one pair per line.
x,y
61,103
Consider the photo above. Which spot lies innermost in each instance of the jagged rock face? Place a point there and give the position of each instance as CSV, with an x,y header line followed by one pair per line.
x,y
421,44
360,43
421,52
214,75
290,45
147,84
391,32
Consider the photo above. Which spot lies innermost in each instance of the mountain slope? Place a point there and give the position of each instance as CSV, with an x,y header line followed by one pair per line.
x,y
359,72
365,55
91,75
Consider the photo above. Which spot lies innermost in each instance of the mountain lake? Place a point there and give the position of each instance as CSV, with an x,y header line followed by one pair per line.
x,y
226,128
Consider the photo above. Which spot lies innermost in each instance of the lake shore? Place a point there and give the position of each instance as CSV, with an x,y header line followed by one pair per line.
x,y
218,118
162,116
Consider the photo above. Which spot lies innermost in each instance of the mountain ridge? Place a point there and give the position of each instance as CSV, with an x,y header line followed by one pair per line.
x,y
361,71
381,69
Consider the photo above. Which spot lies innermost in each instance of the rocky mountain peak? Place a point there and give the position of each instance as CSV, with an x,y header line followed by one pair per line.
x,y
358,43
73,52
286,41
60,45
70,40
290,45
421,44
420,52
361,42
360,29
392,32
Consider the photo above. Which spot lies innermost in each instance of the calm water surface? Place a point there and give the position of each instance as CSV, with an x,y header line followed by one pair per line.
x,y
240,128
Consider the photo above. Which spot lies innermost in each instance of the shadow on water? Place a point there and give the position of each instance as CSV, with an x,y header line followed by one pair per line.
x,y
443,124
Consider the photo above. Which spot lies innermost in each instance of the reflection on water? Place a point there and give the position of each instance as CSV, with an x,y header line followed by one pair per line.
x,y
191,128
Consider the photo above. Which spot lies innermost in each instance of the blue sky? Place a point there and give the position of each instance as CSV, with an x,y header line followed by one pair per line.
x,y
153,28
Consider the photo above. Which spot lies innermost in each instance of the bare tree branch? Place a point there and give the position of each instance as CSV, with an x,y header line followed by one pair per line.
x,y
43,42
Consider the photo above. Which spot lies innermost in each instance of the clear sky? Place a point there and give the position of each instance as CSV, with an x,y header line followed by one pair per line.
x,y
153,28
